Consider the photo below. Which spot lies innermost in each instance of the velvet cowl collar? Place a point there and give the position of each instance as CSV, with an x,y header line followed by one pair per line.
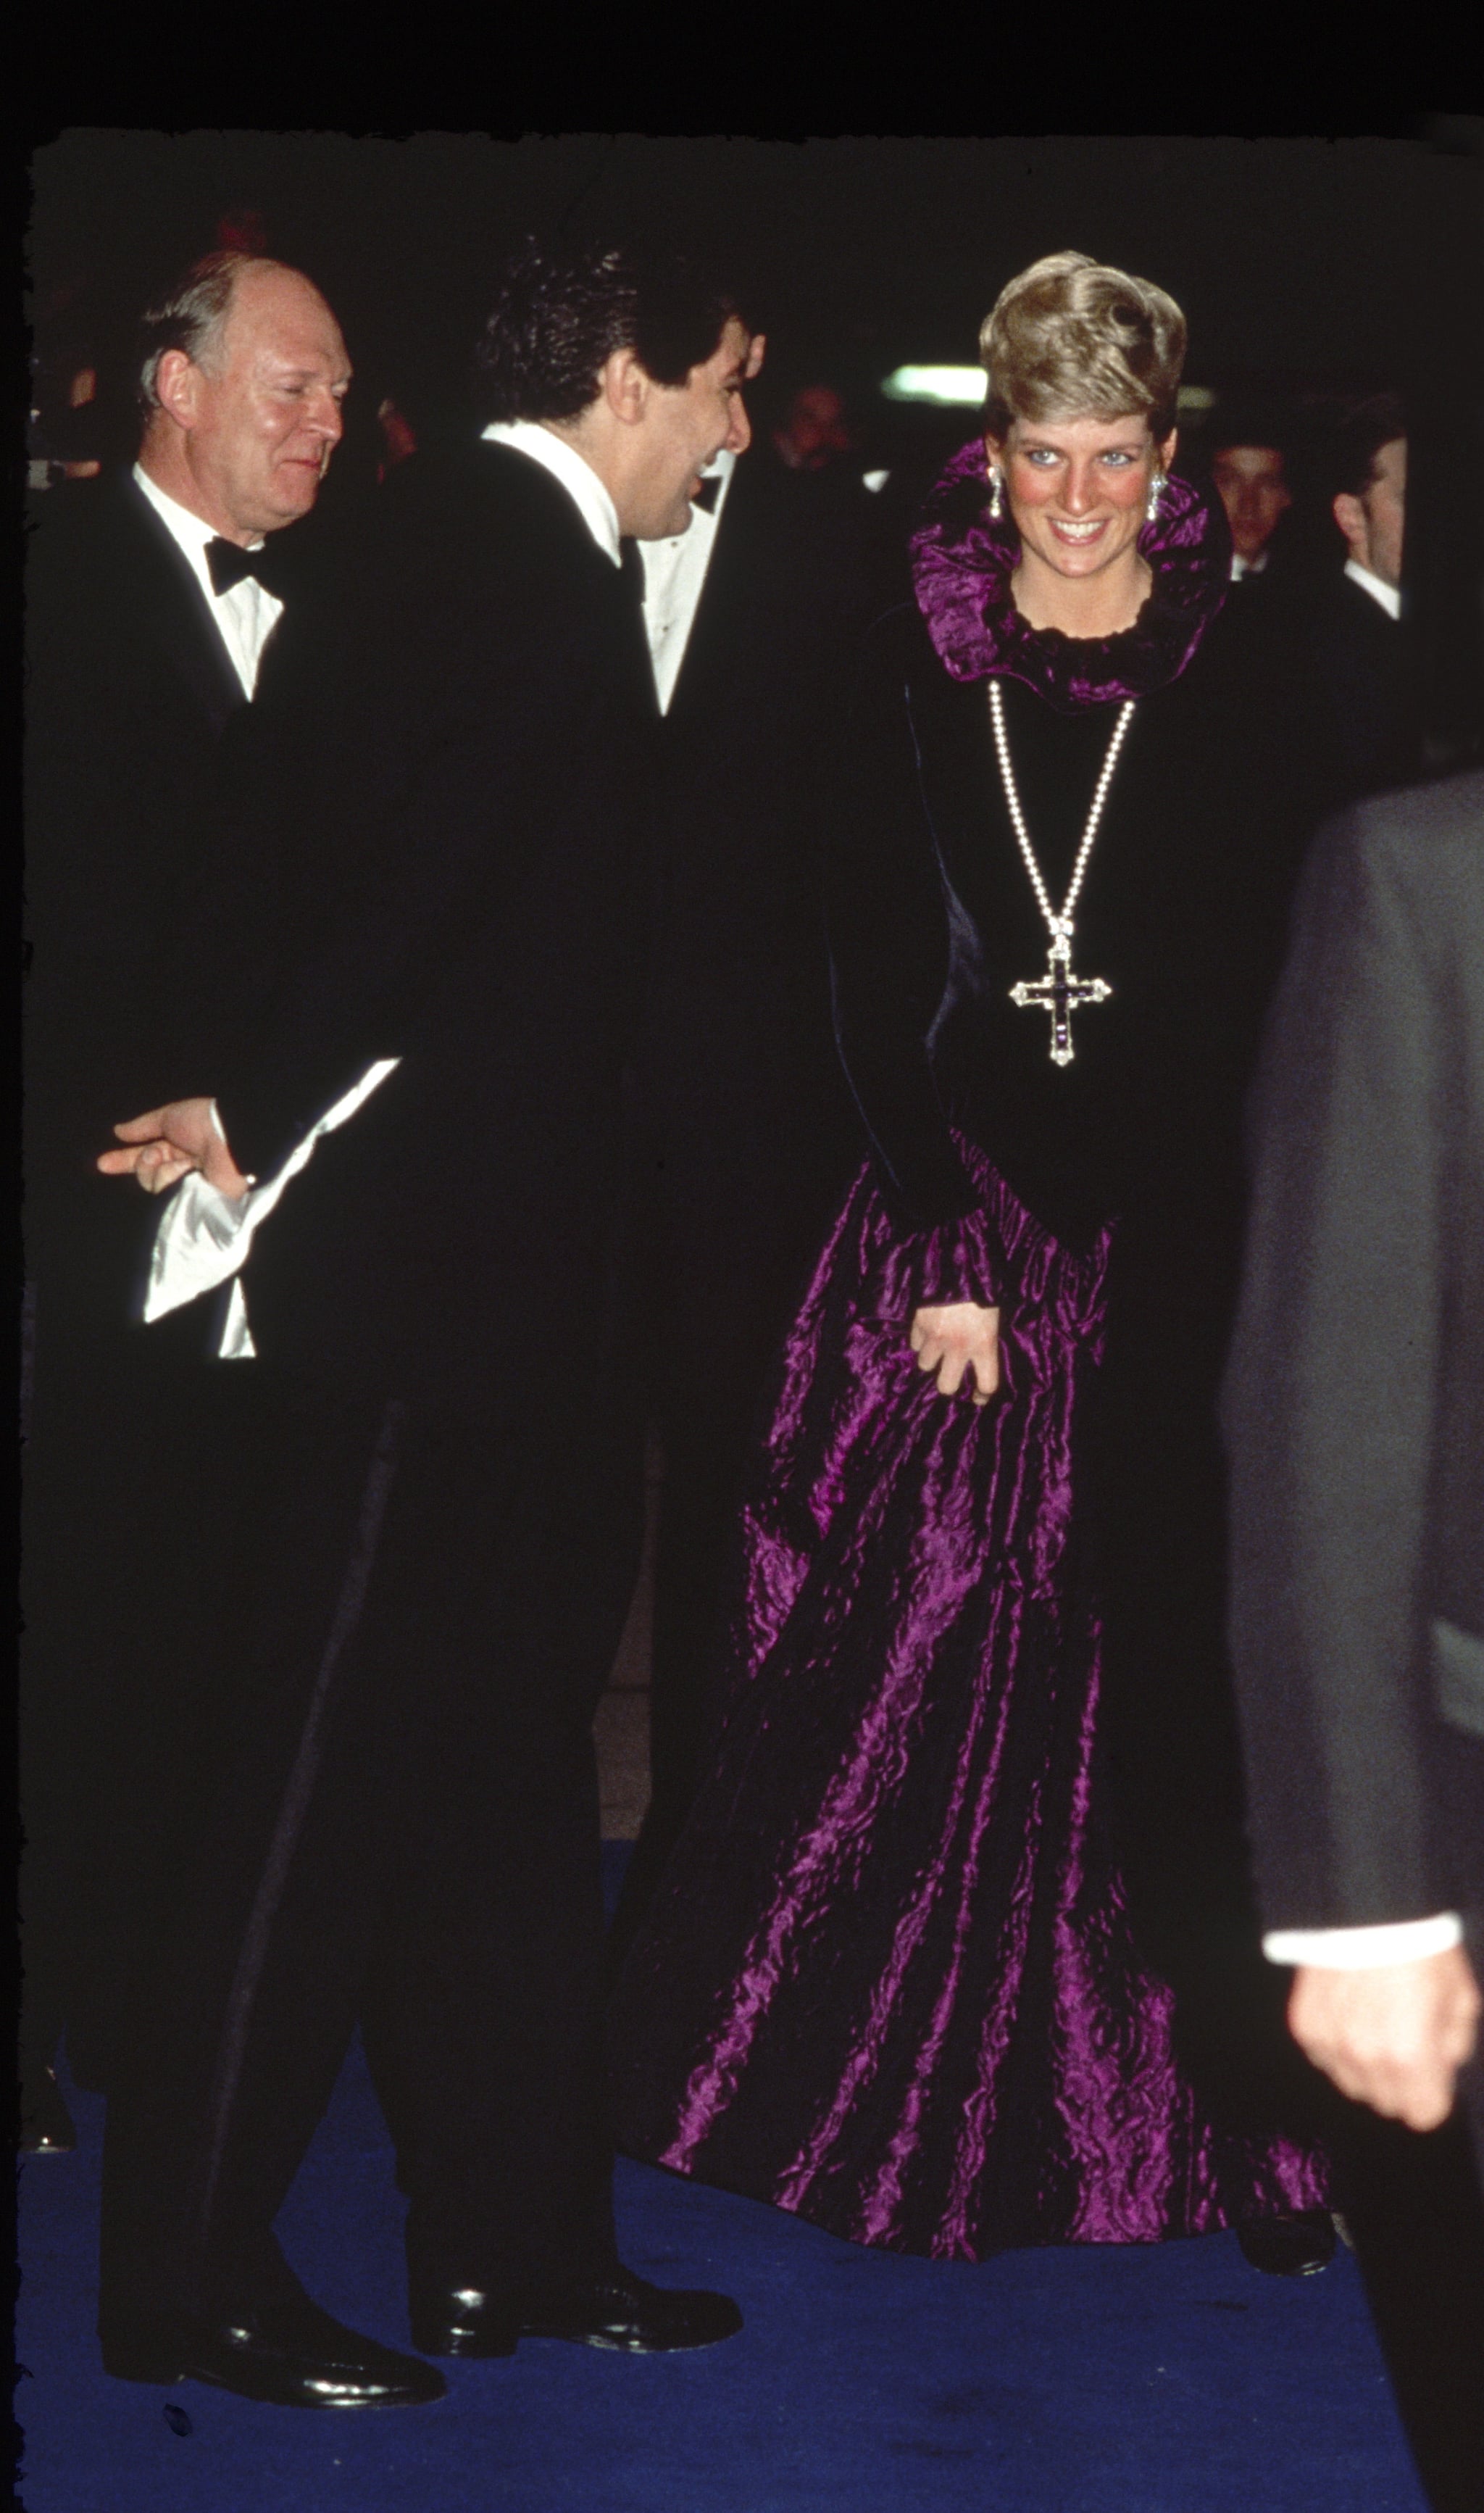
x,y
962,560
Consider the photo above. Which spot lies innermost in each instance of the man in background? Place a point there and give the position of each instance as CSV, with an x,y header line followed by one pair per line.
x,y
1249,473
814,430
1354,646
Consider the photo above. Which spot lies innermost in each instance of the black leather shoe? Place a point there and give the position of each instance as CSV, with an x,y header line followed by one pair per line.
x,y
464,2321
624,2311
46,2124
1298,2245
289,2354
617,2310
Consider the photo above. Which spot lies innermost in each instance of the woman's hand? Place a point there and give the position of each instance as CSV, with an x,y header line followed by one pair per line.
x,y
962,1336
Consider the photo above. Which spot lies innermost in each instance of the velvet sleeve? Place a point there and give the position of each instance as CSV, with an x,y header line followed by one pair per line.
x,y
887,916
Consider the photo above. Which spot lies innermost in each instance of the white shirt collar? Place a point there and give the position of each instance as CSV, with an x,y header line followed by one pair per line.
x,y
191,530
1388,595
674,574
247,612
575,473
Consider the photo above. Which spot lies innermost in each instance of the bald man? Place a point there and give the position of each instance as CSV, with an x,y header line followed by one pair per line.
x,y
148,612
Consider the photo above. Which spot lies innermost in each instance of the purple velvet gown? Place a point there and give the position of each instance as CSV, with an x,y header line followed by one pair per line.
x,y
889,1981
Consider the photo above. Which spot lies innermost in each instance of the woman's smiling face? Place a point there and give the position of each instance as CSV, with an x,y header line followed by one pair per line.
x,y
1077,490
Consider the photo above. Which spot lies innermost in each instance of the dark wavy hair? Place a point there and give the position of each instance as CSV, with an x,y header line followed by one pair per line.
x,y
561,311
1358,437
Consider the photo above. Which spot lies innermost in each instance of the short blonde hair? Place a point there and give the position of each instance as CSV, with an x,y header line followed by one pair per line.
x,y
1072,337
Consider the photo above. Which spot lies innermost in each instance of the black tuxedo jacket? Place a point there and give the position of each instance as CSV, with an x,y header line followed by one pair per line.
x,y
1353,671
131,700
1354,1400
756,1130
440,850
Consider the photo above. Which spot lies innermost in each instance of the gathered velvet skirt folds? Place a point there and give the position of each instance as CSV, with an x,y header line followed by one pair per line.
x,y
889,1981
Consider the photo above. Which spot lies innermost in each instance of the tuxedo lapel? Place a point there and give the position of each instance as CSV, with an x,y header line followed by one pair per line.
x,y
173,610
722,589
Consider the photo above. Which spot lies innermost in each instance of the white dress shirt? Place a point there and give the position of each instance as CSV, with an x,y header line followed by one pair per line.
x,y
1388,595
203,1237
248,613
675,573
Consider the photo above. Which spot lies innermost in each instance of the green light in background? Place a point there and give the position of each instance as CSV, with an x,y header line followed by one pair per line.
x,y
963,388
948,388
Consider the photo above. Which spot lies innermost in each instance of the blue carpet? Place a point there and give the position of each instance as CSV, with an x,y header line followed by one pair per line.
x,y
1168,2379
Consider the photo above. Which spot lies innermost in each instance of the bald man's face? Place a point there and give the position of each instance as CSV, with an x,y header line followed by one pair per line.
x,y
1250,483
261,416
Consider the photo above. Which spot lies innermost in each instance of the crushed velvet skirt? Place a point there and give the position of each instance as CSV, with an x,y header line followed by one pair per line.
x,y
889,1979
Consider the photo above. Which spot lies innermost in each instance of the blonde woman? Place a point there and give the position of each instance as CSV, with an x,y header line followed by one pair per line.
x,y
972,1809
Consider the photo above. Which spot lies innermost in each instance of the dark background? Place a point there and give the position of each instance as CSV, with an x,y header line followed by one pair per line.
x,y
1314,261
1310,269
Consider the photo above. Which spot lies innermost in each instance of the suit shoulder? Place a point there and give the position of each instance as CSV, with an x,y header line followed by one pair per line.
x,y
1416,824
1426,840
481,493
87,528
1406,863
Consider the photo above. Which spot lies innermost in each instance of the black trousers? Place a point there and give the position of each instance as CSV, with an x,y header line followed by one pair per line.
x,y
368,1716
100,1405
1417,2209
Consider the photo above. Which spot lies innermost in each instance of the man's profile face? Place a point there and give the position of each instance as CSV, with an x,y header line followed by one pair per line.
x,y
265,408
1385,506
1250,483
689,425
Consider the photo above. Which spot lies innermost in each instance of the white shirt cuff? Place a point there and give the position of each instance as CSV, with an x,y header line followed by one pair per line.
x,y
204,1236
1393,1941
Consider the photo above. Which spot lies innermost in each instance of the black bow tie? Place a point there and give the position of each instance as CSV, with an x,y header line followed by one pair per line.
x,y
707,493
227,564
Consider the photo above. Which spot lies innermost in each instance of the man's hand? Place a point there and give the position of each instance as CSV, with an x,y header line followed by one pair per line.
x,y
166,1142
1394,2036
960,1337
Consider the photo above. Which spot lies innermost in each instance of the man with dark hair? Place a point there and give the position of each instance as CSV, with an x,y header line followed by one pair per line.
x,y
1250,475
558,317
148,614
423,1495
814,429
1352,650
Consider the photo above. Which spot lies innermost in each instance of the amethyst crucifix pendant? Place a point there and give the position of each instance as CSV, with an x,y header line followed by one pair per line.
x,y
1057,991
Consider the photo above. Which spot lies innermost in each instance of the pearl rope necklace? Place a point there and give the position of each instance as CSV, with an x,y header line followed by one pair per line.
x,y
1059,991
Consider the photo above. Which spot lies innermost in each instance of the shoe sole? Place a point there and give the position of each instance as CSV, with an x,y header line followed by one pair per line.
x,y
625,2346
165,2370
